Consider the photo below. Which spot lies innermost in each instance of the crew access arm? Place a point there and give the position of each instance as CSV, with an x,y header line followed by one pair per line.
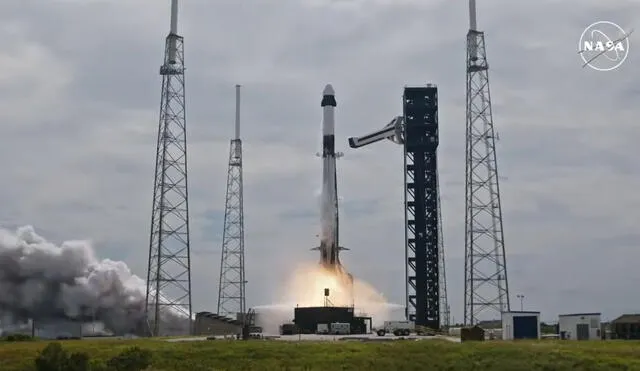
x,y
393,131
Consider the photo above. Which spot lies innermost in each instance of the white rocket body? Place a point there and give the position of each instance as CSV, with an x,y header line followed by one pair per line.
x,y
329,247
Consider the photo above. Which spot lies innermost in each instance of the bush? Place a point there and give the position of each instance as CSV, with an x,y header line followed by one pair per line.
x,y
18,337
98,365
54,358
133,359
78,362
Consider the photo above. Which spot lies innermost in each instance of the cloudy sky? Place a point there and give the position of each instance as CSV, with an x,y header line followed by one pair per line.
x,y
79,92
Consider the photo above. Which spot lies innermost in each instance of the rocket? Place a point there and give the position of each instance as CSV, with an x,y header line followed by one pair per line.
x,y
329,247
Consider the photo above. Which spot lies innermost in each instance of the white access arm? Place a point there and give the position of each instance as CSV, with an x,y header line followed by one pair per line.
x,y
393,131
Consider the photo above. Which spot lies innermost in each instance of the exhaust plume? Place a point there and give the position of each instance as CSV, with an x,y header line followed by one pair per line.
x,y
305,288
45,282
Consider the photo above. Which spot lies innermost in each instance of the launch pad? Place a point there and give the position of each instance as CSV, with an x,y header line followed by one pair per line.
x,y
311,320
329,318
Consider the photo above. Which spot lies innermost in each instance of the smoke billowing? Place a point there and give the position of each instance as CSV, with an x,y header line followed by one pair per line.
x,y
46,282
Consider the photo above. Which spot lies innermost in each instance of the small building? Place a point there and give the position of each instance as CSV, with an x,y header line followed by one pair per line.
x,y
520,325
211,324
308,318
627,327
579,326
455,331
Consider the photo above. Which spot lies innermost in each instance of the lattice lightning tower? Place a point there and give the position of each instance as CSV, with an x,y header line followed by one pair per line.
x,y
445,311
169,270
486,287
231,294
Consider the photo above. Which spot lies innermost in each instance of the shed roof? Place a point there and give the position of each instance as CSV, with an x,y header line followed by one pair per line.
x,y
579,314
627,318
218,317
520,312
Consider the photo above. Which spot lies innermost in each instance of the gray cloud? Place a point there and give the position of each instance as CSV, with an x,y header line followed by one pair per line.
x,y
79,91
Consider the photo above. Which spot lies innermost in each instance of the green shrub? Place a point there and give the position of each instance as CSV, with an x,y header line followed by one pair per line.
x,y
98,365
18,337
78,362
132,359
54,358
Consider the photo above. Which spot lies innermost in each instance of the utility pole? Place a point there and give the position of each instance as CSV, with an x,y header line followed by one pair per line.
x,y
521,297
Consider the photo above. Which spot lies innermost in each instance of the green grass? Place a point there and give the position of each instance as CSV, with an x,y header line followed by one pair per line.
x,y
397,355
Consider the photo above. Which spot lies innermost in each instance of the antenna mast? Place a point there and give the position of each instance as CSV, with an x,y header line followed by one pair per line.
x,y
169,269
473,26
231,294
237,137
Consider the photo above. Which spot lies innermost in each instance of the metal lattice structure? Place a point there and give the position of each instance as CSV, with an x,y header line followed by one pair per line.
x,y
445,311
421,205
486,286
231,294
169,269
417,132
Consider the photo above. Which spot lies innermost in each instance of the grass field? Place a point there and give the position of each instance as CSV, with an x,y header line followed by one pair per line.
x,y
396,355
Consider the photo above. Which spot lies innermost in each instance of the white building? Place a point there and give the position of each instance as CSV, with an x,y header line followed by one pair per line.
x,y
579,326
520,325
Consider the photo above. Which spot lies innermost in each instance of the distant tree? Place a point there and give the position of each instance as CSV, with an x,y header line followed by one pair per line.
x,y
548,328
18,337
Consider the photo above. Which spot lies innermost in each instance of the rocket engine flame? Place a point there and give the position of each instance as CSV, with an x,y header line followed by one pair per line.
x,y
42,281
305,288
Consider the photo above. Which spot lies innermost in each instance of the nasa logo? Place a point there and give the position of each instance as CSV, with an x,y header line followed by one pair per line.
x,y
600,51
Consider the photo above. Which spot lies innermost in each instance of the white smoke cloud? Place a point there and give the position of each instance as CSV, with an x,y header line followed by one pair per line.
x,y
43,281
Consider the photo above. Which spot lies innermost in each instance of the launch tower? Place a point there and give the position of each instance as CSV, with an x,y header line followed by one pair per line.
x,y
486,288
421,205
169,269
231,294
417,131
